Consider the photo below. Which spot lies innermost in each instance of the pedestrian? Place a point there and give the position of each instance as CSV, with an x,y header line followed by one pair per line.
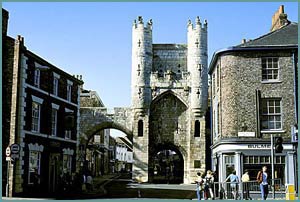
x,y
199,183
234,180
245,180
89,183
262,179
208,184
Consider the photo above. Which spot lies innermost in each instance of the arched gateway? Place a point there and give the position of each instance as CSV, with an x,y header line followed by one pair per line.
x,y
166,121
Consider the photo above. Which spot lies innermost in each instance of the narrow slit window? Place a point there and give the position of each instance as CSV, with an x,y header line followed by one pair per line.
x,y
140,128
197,128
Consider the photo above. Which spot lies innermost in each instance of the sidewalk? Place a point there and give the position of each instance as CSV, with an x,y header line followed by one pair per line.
x,y
99,183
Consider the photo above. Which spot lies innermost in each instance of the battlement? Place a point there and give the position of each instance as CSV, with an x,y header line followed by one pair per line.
x,y
139,23
198,25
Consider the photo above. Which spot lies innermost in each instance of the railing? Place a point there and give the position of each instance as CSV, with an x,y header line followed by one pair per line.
x,y
245,190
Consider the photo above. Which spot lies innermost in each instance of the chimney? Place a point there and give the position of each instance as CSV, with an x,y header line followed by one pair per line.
x,y
5,16
279,19
244,41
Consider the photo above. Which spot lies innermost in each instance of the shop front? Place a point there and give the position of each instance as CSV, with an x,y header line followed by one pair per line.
x,y
252,156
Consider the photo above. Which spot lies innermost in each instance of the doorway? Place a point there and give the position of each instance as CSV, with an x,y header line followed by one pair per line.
x,y
53,172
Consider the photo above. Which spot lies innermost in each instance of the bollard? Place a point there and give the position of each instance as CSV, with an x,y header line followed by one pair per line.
x,y
290,192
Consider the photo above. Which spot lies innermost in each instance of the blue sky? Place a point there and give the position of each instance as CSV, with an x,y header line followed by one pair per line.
x,y
94,39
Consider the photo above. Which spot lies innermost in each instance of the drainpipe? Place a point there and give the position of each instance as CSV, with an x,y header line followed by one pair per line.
x,y
257,96
295,87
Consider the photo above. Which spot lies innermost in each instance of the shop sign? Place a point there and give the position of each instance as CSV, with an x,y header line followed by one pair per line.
x,y
246,134
259,146
54,144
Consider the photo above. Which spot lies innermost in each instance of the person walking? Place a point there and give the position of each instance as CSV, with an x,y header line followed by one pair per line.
x,y
262,179
245,180
234,180
208,184
199,183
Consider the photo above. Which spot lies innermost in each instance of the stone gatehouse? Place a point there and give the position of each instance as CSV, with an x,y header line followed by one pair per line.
x,y
169,105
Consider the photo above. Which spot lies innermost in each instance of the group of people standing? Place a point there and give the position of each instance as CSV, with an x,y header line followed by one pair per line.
x,y
205,184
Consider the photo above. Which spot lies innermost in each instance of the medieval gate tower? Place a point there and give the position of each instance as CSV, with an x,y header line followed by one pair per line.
x,y
169,102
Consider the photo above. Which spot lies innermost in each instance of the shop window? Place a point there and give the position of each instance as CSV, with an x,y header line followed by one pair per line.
x,y
197,164
197,129
34,166
229,164
140,128
67,164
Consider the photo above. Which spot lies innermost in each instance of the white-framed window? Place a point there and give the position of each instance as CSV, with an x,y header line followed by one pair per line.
x,y
271,114
34,166
68,134
229,164
55,86
37,74
54,122
67,163
36,114
69,92
270,69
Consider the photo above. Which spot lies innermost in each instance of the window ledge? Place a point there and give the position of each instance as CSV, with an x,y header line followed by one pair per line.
x,y
271,81
273,131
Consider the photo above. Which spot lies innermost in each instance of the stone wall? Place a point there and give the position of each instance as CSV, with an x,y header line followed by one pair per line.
x,y
241,75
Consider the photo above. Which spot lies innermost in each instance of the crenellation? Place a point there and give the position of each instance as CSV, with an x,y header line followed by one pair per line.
x,y
169,75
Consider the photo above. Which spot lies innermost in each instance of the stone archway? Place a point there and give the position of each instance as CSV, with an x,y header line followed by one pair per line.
x,y
168,128
104,125
167,165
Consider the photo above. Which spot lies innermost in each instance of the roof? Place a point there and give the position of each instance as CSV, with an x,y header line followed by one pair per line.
x,y
283,38
43,61
287,35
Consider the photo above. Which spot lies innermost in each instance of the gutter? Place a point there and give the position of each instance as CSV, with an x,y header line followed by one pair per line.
x,y
235,48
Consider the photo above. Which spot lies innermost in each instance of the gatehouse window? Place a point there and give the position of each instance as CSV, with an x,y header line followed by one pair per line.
x,y
197,164
270,69
140,128
197,128
271,114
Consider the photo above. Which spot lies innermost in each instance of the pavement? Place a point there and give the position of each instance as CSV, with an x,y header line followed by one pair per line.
x,y
98,190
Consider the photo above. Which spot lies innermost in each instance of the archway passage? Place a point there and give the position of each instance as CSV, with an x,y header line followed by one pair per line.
x,y
167,166
167,130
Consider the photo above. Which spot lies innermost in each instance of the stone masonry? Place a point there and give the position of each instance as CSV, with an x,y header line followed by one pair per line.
x,y
169,102
169,94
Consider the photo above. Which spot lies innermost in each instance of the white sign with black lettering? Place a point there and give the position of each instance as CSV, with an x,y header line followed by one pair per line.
x,y
246,134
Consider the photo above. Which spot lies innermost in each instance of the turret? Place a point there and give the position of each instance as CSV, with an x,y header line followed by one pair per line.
x,y
197,66
141,64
